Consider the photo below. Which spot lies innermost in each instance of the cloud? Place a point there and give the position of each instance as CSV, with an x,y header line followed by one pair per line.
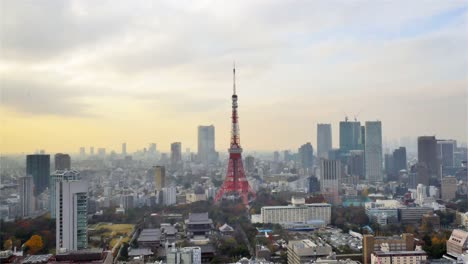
x,y
36,98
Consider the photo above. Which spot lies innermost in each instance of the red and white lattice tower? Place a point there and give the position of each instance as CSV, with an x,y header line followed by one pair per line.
x,y
236,183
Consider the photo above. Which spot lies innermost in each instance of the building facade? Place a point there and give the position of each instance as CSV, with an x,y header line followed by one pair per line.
x,y
330,175
206,144
298,212
26,187
38,166
324,140
72,215
58,176
159,177
350,134
448,188
62,161
373,151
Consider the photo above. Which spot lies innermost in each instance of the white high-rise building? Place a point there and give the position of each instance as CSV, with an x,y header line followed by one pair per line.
x,y
324,140
206,144
330,174
169,195
72,215
26,187
58,176
373,151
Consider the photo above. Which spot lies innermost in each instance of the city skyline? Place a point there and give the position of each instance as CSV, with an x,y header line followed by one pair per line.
x,y
118,77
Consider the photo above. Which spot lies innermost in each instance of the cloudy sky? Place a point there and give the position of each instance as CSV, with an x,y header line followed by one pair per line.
x,y
98,73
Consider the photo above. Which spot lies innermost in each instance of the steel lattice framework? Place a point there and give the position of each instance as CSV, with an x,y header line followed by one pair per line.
x,y
236,182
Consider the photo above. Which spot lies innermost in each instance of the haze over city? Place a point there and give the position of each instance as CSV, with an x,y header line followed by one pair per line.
x,y
87,73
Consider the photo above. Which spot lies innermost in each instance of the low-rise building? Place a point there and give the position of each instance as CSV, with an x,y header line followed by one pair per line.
x,y
457,243
395,243
150,238
302,251
297,212
198,224
390,257
186,255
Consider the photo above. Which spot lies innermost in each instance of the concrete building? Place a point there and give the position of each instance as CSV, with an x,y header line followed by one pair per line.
x,y
297,212
55,177
169,195
373,244
159,177
62,161
457,243
306,158
324,140
430,222
250,163
381,210
26,187
72,215
38,166
448,188
186,255
373,151
330,175
356,166
413,215
206,144
305,251
176,155
390,257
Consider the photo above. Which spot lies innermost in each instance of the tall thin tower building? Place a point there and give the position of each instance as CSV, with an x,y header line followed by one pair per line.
x,y
38,166
72,215
235,183
206,144
373,151
26,195
324,140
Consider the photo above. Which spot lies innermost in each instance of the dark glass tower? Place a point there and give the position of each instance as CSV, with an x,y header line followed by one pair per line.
x,y
38,166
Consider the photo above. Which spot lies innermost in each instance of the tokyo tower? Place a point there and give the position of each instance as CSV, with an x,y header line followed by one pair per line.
x,y
236,183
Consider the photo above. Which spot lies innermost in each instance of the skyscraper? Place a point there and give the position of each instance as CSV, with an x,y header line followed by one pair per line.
x,y
428,157
176,155
38,166
159,177
206,144
446,152
91,151
324,140
350,134
62,161
373,151
330,174
306,158
72,215
250,163
356,163
56,177
124,149
26,188
399,160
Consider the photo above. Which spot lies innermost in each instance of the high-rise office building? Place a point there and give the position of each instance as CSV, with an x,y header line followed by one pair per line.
x,y
56,177
176,155
124,149
350,134
356,163
62,161
446,152
250,163
373,151
38,166
448,188
362,140
72,215
306,158
399,160
330,175
324,140
26,188
159,177
206,144
91,151
389,171
428,156
152,149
